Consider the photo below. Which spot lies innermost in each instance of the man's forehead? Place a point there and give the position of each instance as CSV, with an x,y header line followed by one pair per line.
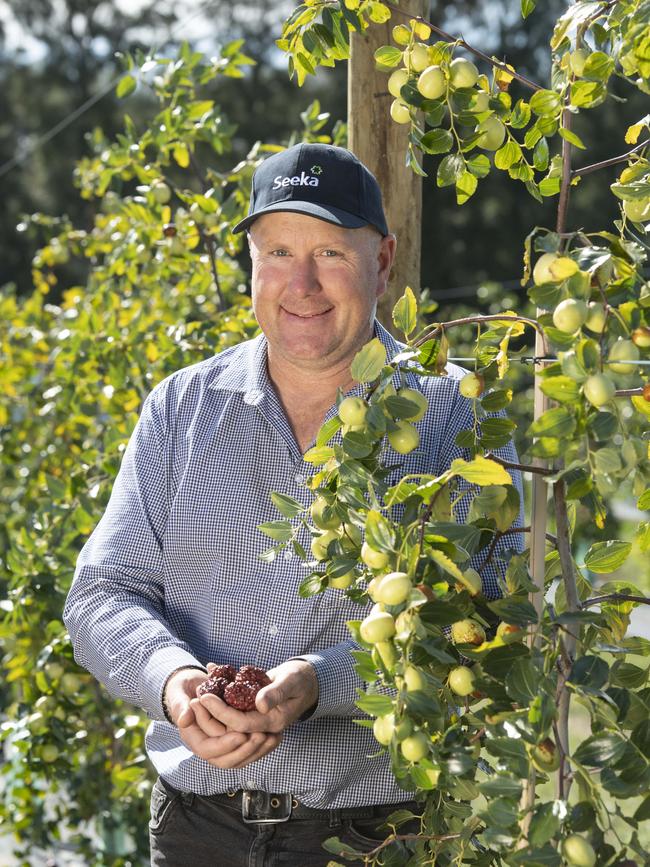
x,y
287,225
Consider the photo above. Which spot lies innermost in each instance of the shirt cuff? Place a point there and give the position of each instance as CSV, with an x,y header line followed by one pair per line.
x,y
155,674
337,681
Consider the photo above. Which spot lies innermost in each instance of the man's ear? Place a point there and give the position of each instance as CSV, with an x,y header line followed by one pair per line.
x,y
385,258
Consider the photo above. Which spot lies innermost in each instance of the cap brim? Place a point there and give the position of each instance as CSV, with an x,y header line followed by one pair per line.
x,y
321,212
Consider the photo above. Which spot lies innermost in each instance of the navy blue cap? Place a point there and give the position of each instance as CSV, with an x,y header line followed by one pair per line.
x,y
322,181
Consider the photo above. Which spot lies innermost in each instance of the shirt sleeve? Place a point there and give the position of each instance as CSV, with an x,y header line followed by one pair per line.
x,y
114,611
337,681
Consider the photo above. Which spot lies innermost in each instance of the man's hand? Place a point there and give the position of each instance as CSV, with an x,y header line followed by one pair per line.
x,y
205,736
293,690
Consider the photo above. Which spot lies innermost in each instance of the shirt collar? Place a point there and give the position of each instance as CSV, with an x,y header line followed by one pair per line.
x,y
246,371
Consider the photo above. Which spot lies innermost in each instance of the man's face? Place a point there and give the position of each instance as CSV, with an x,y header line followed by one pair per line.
x,y
315,286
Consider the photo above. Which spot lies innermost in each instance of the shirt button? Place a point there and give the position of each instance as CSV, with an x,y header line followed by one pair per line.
x,y
288,554
273,629
300,478
250,784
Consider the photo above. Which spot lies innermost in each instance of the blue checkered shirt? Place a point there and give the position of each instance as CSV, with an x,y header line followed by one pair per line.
x,y
171,574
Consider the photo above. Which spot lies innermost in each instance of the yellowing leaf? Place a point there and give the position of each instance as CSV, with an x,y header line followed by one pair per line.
x,y
368,362
405,312
563,267
633,133
447,564
481,471
182,155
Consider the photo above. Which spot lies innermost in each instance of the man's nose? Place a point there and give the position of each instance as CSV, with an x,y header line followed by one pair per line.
x,y
304,279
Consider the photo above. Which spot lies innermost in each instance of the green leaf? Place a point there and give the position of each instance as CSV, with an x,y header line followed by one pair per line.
x,y
337,847
501,785
498,662
182,155
643,502
312,585
527,7
496,432
531,856
379,532
466,186
507,155
589,671
522,681
376,705
450,170
443,613
512,751
388,56
549,186
587,94
369,361
546,103
479,165
563,389
545,823
605,557
437,141
379,13
281,531
328,430
405,312
540,155
357,444
640,737
599,66
520,116
557,422
600,750
319,455
286,505
126,86
572,138
481,471
496,400
514,609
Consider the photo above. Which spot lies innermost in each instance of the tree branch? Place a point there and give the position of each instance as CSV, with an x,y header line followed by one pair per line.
x,y
569,641
525,468
475,51
594,167
615,597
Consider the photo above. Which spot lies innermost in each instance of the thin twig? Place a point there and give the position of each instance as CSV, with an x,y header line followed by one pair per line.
x,y
467,320
475,51
393,837
628,392
585,170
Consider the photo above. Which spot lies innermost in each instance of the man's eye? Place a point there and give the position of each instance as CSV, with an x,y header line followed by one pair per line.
x,y
279,253
330,253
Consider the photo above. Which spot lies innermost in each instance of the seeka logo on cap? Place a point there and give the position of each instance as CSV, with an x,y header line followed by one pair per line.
x,y
301,180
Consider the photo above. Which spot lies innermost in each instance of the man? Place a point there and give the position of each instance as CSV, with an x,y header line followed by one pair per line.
x,y
171,580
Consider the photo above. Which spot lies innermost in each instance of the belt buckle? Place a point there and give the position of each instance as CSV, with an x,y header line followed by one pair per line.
x,y
265,808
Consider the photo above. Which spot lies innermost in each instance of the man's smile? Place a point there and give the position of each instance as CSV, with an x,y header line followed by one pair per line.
x,y
306,314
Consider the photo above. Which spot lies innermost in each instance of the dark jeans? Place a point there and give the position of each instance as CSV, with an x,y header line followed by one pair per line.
x,y
188,830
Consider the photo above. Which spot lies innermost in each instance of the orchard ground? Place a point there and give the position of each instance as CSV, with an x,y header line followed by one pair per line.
x,y
640,625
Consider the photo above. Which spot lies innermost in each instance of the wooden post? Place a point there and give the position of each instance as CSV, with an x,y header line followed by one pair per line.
x,y
381,144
